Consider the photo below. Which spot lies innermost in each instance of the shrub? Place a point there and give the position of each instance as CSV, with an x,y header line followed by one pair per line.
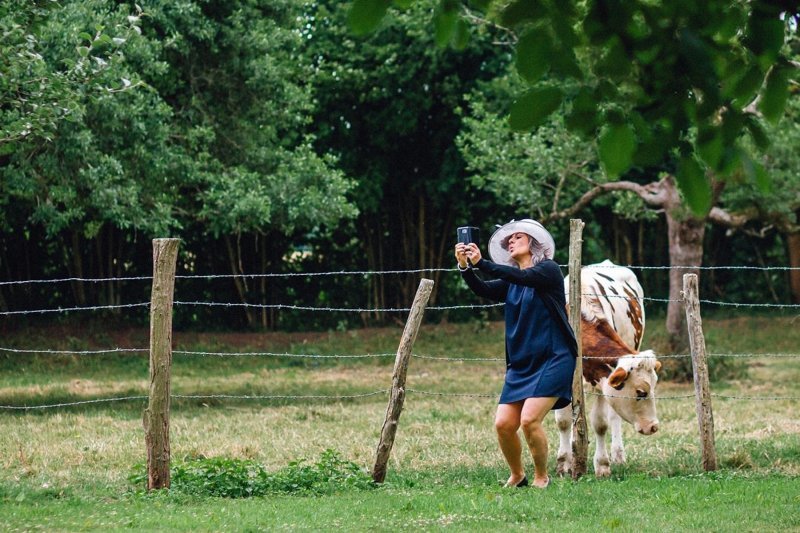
x,y
239,478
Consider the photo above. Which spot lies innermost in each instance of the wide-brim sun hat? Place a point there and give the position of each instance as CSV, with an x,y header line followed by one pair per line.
x,y
498,242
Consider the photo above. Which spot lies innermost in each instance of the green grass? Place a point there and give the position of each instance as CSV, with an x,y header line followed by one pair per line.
x,y
70,468
726,502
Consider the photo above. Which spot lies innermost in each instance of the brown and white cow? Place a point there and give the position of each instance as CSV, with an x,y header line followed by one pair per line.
x,y
612,326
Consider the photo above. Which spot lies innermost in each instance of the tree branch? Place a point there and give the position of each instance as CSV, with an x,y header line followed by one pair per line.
x,y
475,19
653,194
736,221
727,219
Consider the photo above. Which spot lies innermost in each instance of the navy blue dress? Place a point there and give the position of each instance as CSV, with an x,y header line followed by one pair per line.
x,y
540,345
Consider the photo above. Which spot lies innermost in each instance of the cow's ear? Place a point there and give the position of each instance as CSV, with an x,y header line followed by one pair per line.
x,y
658,366
617,378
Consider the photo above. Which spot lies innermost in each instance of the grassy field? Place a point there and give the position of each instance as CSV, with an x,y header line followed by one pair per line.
x,y
70,468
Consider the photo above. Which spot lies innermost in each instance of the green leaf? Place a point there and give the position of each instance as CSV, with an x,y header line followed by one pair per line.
x,y
564,62
731,161
534,50
460,38
85,36
83,51
763,182
582,118
732,124
694,185
756,173
650,146
617,146
533,108
522,11
709,146
615,62
758,132
765,35
366,15
746,87
696,56
444,23
730,25
776,91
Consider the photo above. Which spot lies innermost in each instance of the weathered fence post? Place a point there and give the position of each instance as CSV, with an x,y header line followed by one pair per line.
x,y
398,393
580,436
697,343
156,416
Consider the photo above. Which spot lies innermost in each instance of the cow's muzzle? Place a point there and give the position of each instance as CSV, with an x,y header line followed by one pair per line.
x,y
647,428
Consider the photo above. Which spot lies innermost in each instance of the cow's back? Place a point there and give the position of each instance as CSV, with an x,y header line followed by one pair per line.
x,y
613,294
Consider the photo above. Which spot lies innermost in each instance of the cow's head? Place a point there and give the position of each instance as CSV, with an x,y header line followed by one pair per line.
x,y
631,390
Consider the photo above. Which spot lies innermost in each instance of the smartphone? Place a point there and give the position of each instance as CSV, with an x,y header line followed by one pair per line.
x,y
468,234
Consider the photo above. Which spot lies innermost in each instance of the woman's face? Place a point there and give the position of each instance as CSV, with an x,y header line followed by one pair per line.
x,y
519,246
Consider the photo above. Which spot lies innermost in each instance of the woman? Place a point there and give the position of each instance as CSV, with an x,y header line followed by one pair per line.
x,y
540,344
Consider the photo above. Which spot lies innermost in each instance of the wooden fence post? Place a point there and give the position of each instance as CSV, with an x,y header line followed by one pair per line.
x,y
398,394
580,436
697,343
156,416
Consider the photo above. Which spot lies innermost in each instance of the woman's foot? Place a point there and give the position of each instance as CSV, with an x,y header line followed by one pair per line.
x,y
515,481
541,483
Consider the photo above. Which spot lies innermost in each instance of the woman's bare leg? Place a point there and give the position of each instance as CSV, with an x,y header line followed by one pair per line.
x,y
506,422
533,412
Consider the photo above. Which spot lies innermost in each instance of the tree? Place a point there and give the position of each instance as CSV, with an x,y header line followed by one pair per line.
x,y
239,86
187,118
642,76
555,172
36,94
83,139
387,108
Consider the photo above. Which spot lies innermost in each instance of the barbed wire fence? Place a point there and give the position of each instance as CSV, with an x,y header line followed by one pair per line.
x,y
366,394
445,358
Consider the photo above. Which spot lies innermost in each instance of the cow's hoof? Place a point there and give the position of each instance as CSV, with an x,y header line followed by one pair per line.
x,y
564,465
602,470
618,457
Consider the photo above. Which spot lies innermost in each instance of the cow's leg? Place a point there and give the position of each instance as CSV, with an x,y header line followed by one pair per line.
x,y
564,424
599,418
617,446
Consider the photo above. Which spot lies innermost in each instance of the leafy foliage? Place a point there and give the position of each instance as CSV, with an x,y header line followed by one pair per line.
x,y
542,170
269,138
644,74
240,478
186,119
388,109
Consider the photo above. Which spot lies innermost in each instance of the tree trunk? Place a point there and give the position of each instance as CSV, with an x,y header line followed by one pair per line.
x,y
97,291
374,255
685,249
442,256
3,256
77,268
685,234
111,285
263,281
793,243
238,281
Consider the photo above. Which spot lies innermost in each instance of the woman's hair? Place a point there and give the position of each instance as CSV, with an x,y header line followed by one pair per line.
x,y
538,251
